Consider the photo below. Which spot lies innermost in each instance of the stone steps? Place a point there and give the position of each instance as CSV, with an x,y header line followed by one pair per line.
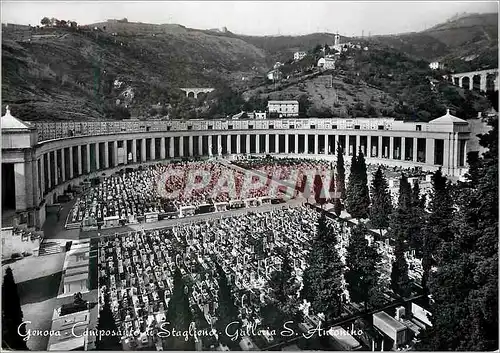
x,y
47,248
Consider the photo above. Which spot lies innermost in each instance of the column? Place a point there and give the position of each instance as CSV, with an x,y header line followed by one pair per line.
x,y
49,176
346,145
403,149
247,144
228,144
358,144
134,151
327,152
181,146
42,175
143,150
277,143
306,144
171,147
115,153
471,82
286,144
482,83
97,162
368,146
429,151
106,154
454,164
210,144
79,159
257,143
125,149
20,185
56,174
63,165
391,147
334,147
267,143
88,157
200,145
153,149
379,149
238,144
296,143
316,144
162,147
190,145
415,149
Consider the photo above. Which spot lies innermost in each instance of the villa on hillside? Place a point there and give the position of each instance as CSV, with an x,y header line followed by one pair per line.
x,y
299,55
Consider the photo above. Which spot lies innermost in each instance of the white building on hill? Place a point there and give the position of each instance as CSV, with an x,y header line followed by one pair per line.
x,y
284,108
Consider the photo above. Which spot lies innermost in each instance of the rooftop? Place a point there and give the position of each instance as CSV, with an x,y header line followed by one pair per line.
x,y
11,123
448,119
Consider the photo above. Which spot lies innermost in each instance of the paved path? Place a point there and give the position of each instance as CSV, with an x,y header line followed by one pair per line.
x,y
166,223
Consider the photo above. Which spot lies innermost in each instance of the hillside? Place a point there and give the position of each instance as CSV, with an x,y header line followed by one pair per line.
x,y
115,70
56,73
467,43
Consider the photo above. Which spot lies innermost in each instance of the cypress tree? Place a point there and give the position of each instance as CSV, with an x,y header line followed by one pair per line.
x,y
284,286
400,225
351,191
417,220
340,172
358,197
438,226
381,201
179,315
227,312
107,322
465,284
12,315
361,262
323,277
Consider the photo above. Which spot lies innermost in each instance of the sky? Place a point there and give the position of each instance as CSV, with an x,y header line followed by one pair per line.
x,y
255,17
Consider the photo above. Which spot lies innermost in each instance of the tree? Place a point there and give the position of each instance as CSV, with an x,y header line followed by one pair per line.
x,y
340,178
284,287
400,225
323,277
417,219
179,314
107,323
227,312
438,226
361,262
45,21
337,206
465,284
381,207
358,197
12,315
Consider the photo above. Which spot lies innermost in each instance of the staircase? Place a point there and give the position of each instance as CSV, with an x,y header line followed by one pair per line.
x,y
49,247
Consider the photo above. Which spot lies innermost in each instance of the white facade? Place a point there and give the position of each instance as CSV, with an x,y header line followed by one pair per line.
x,y
299,55
284,108
435,65
326,63
274,75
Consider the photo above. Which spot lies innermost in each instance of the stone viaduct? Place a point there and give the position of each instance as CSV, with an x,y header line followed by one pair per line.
x,y
193,92
484,80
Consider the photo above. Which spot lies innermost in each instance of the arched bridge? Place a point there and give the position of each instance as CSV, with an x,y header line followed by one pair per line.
x,y
484,80
193,92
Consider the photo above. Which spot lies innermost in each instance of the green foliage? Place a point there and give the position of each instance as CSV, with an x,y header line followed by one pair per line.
x,y
179,314
381,206
361,261
322,279
12,315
